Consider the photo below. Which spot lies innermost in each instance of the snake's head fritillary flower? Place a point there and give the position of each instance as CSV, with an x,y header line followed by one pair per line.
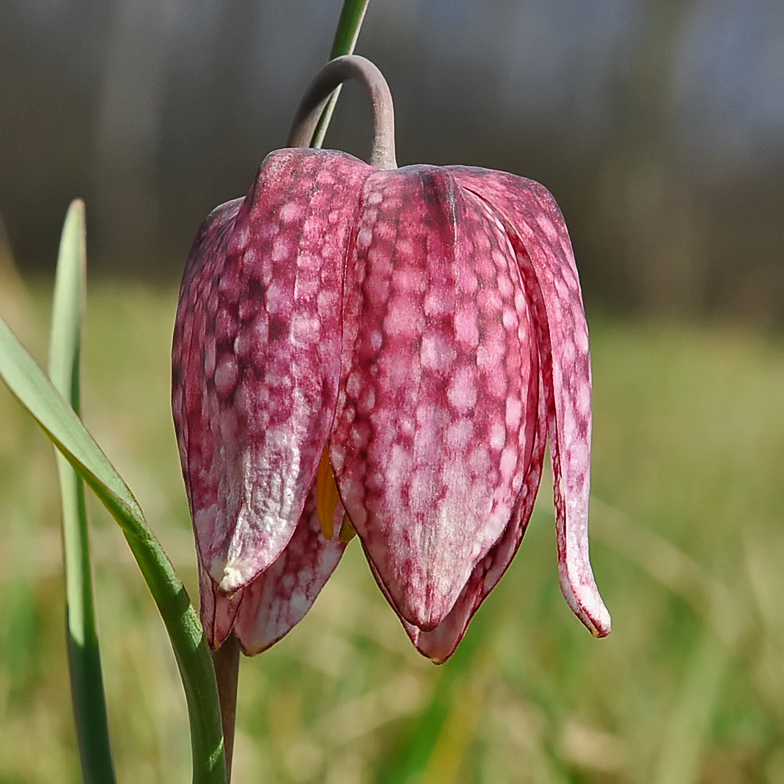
x,y
380,350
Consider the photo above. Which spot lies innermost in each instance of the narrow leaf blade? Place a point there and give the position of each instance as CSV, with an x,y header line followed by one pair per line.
x,y
351,17
36,393
87,691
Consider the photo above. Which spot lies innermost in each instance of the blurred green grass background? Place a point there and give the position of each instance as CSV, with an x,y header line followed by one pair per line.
x,y
687,546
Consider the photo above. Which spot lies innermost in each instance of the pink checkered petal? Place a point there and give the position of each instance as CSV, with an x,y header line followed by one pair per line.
x,y
256,358
538,233
280,597
440,643
216,610
430,447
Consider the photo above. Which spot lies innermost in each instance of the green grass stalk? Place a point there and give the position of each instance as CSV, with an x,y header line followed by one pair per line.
x,y
59,421
84,656
351,17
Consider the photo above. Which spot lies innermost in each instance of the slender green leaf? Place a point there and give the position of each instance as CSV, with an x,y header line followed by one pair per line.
x,y
68,306
37,394
84,657
351,17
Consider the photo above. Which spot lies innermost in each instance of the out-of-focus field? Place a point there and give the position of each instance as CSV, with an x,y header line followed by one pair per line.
x,y
687,545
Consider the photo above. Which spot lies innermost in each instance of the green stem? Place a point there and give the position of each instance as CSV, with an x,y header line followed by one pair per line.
x,y
192,653
58,420
351,17
84,656
226,661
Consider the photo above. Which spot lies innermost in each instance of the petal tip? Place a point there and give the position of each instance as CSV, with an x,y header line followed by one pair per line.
x,y
601,623
229,576
585,602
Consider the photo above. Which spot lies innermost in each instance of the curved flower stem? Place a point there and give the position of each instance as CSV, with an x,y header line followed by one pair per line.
x,y
351,17
334,73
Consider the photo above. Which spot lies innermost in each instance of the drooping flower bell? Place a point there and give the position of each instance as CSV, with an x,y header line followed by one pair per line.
x,y
380,350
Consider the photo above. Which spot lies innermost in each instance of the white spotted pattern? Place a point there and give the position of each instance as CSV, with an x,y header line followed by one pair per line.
x,y
424,323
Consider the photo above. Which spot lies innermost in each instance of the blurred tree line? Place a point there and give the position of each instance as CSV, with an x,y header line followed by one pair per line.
x,y
658,125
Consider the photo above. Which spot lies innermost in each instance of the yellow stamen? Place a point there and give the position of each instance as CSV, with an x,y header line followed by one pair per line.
x,y
347,530
327,497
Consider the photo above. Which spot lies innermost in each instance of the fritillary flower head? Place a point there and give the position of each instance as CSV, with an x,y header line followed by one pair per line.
x,y
362,348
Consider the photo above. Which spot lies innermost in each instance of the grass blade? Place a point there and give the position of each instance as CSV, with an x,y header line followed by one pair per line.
x,y
37,394
84,657
351,17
